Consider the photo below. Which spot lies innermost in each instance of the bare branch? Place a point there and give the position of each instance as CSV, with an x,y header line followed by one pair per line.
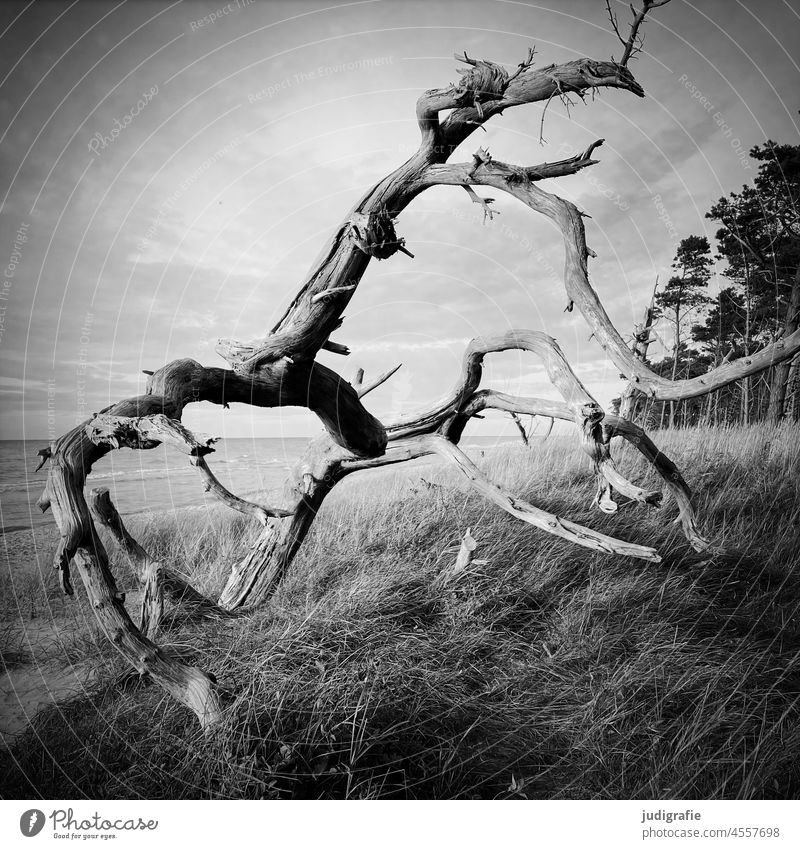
x,y
668,471
613,426
558,371
528,85
249,508
408,449
179,592
483,203
550,423
363,390
149,431
513,179
336,348
633,44
81,544
533,515
520,428
44,455
614,25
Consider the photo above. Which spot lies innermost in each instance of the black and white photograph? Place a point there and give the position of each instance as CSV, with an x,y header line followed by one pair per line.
x,y
400,402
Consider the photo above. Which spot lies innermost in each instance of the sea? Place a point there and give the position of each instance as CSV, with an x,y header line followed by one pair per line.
x,y
161,479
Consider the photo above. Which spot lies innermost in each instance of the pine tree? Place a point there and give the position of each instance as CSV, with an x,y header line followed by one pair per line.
x,y
760,241
683,296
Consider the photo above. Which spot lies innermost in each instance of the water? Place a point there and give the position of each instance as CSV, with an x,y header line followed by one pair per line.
x,y
160,479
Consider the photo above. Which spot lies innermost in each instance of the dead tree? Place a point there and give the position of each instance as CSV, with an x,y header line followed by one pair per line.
x,y
279,369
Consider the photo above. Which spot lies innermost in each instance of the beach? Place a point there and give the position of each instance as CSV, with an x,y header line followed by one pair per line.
x,y
37,669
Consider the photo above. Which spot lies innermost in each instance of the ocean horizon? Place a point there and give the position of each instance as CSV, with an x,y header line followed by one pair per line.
x,y
160,479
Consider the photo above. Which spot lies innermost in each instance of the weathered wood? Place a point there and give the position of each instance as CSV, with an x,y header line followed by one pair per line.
x,y
381,379
189,685
419,446
285,383
146,432
516,181
279,369
558,371
310,319
528,513
642,337
150,572
613,426
249,508
522,432
465,552
193,604
586,411
152,599
254,579
780,377
149,431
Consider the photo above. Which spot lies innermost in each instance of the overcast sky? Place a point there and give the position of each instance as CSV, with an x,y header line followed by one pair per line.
x,y
246,139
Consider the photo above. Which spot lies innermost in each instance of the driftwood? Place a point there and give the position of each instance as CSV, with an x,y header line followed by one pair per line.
x,y
160,580
187,684
279,369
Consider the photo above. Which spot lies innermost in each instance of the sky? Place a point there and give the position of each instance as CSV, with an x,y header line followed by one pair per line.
x,y
171,170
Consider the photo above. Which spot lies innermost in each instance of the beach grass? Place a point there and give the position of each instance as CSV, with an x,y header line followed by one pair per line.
x,y
544,671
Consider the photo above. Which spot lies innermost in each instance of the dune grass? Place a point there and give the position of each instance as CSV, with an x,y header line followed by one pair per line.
x,y
548,671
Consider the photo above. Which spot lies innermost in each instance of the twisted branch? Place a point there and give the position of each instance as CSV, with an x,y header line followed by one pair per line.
x,y
279,369
520,183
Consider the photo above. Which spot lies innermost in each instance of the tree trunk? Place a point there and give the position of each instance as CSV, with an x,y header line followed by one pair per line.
x,y
187,684
792,410
641,343
780,378
255,579
675,353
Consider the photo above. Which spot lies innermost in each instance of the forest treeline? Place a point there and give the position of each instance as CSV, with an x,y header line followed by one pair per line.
x,y
757,257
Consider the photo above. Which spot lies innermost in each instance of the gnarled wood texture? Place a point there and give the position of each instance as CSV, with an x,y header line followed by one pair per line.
x,y
279,369
178,591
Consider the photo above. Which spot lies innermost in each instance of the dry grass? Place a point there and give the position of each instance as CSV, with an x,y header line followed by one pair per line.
x,y
548,672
